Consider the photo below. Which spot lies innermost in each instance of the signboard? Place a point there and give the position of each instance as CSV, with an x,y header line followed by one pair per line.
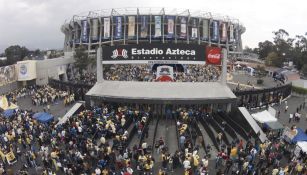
x,y
158,26
213,55
170,26
95,32
26,70
84,31
131,26
7,74
224,32
231,37
205,29
194,29
118,27
144,27
183,27
155,53
106,28
215,31
165,73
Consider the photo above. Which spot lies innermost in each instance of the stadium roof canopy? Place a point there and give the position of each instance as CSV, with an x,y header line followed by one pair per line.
x,y
165,92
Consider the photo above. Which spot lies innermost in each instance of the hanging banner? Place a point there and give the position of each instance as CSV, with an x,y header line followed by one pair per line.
x,y
170,26
118,27
183,27
131,26
144,27
237,33
158,26
213,55
215,31
224,32
106,28
206,29
84,31
95,33
194,30
77,34
231,38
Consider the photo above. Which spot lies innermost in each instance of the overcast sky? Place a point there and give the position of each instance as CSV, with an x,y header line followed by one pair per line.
x,y
36,23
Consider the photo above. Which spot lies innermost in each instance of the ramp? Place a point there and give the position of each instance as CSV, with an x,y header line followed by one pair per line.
x,y
70,113
253,124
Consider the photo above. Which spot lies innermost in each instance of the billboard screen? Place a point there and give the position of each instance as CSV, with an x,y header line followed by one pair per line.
x,y
155,53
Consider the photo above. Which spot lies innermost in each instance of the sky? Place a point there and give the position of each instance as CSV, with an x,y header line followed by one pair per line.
x,y
36,23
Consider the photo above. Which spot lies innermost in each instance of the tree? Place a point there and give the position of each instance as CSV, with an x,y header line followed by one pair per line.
x,y
274,60
81,59
304,70
265,48
15,53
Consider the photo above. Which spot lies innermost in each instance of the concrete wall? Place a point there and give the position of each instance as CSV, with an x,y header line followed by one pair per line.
x,y
51,68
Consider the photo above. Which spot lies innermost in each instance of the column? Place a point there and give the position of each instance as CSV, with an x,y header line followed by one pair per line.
x,y
224,67
99,66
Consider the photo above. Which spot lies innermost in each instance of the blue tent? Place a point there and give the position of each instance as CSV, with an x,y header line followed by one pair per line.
x,y
43,117
8,113
300,136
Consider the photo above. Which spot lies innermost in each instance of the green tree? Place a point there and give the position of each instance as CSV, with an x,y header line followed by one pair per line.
x,y
265,48
15,53
273,59
304,70
82,59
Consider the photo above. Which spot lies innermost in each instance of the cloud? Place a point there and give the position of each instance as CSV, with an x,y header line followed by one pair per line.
x,y
36,23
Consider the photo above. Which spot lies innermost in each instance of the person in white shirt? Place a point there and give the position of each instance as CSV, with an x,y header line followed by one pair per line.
x,y
186,164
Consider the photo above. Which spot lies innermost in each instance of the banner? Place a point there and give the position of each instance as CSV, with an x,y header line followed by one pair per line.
x,y
205,29
106,28
144,27
26,70
194,30
118,27
154,51
158,26
183,27
213,55
237,33
170,26
231,37
131,26
7,75
84,31
165,74
77,33
215,31
224,32
95,33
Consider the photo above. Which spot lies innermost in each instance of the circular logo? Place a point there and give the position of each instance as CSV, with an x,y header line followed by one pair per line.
x,y
214,55
23,69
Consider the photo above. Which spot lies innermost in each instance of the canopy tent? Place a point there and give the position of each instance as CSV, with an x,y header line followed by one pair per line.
x,y
303,146
5,104
8,113
274,125
300,136
43,117
264,117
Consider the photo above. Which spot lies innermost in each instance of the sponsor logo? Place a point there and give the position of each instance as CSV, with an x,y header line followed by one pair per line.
x,y
213,55
119,53
23,69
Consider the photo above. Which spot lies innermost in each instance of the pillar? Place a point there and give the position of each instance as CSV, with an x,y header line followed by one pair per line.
x,y
99,66
224,67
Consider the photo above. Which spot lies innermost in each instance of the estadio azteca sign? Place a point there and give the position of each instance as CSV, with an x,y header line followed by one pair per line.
x,y
154,53
213,55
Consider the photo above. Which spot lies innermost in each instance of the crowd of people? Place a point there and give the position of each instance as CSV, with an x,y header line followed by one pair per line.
x,y
88,78
191,73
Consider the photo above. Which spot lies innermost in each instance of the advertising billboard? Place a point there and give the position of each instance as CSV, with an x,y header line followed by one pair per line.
x,y
205,34
213,55
95,33
155,53
118,27
84,37
131,26
170,26
223,32
231,37
194,28
26,70
158,27
144,27
215,31
183,27
106,28
7,75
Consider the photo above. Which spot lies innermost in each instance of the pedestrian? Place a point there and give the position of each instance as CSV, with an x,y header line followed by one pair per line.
x,y
290,118
286,108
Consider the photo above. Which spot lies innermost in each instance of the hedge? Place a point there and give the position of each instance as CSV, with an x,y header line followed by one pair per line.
x,y
299,90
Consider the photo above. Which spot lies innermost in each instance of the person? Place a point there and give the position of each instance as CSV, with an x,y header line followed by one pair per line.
x,y
286,108
290,118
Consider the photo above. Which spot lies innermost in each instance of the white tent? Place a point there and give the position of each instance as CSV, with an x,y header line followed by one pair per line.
x,y
264,117
300,146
